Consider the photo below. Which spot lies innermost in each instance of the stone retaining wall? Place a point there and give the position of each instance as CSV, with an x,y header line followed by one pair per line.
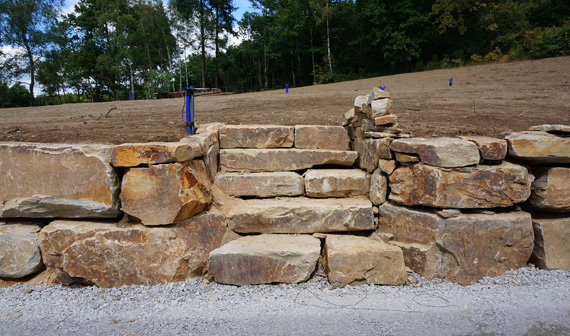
x,y
264,204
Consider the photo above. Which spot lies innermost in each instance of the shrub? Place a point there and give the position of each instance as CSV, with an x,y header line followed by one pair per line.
x,y
550,42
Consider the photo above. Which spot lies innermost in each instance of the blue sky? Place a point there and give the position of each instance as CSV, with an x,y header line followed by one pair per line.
x,y
242,7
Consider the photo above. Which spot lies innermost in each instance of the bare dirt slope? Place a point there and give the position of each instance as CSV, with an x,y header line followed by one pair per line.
x,y
484,100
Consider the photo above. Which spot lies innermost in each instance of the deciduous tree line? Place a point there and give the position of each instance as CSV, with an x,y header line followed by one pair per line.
x,y
106,49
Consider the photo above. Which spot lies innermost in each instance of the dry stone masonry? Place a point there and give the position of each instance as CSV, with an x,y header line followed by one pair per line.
x,y
259,204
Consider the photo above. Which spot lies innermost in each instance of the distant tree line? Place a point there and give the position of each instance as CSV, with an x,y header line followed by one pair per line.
x,y
106,50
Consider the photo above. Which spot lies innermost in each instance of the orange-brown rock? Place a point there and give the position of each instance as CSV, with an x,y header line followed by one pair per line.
x,y
384,120
551,189
19,250
260,160
256,136
481,186
538,147
108,255
551,241
265,259
491,149
57,180
372,150
135,154
439,152
352,260
301,215
321,137
271,184
463,248
336,183
166,194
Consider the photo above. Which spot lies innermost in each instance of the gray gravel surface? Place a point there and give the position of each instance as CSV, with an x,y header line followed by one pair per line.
x,y
523,302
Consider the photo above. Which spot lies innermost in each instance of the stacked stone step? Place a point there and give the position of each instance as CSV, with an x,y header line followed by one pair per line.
x,y
295,186
451,207
163,188
546,148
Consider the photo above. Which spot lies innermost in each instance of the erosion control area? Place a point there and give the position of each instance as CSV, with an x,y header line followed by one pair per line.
x,y
269,204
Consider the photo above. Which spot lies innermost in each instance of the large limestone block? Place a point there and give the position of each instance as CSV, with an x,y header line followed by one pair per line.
x,y
482,186
336,183
440,152
378,187
551,241
57,180
491,149
352,260
372,150
538,147
166,194
134,154
19,250
551,189
256,136
381,107
208,140
270,184
301,215
265,259
321,137
109,255
463,248
260,160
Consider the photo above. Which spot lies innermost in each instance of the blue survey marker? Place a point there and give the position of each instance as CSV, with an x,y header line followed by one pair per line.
x,y
190,111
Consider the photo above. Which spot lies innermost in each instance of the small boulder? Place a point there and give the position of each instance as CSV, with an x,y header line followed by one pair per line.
x,y
19,250
551,241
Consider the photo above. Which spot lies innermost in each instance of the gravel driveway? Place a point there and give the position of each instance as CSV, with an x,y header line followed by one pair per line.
x,y
523,302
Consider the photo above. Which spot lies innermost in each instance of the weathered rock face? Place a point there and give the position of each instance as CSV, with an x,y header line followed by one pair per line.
x,y
538,147
321,137
212,149
381,107
134,154
555,128
301,215
491,149
440,152
56,180
271,184
256,136
370,151
19,250
260,160
351,260
387,166
551,242
470,187
387,119
336,183
107,255
166,194
463,248
551,189
265,259
378,187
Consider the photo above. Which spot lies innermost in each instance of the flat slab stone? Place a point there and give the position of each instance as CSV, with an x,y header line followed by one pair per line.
x,y
538,147
463,248
57,180
372,150
551,189
551,241
553,128
440,152
336,183
166,194
352,260
256,136
482,186
265,259
321,137
489,148
260,160
301,215
109,255
270,184
19,250
384,120
135,154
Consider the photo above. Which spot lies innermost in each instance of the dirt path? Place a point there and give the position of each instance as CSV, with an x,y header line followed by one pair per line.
x,y
484,100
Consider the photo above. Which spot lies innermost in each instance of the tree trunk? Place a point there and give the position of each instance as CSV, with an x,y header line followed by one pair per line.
x,y
313,57
217,43
203,42
32,70
329,41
